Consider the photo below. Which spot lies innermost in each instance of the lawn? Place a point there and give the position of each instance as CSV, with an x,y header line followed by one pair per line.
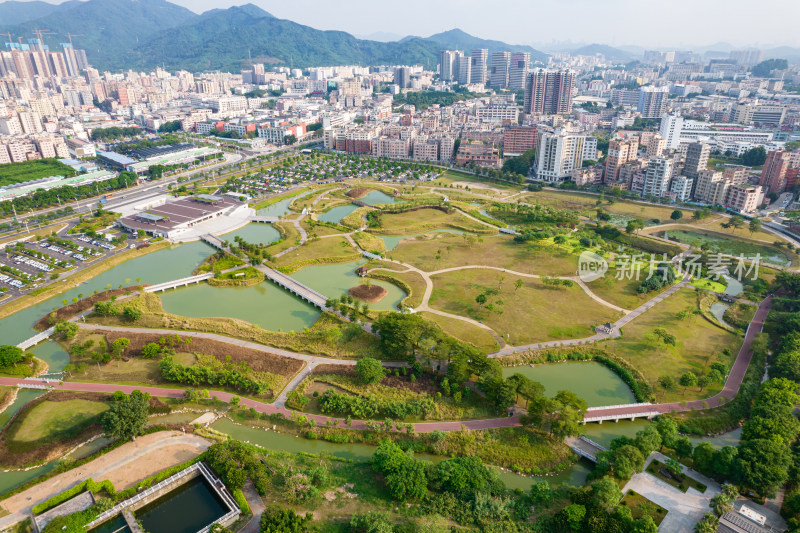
x,y
623,292
526,313
95,222
655,467
479,184
422,220
328,250
51,419
464,331
640,506
708,285
369,242
437,251
698,344
289,237
275,200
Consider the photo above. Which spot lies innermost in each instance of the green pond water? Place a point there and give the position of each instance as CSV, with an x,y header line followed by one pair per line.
x,y
265,305
335,215
254,233
378,198
728,246
114,525
187,509
157,267
363,452
593,382
391,241
334,280
279,209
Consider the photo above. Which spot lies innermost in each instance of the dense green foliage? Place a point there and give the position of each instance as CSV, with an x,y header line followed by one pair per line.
x,y
424,99
127,416
228,376
763,69
12,173
235,462
89,484
115,132
278,519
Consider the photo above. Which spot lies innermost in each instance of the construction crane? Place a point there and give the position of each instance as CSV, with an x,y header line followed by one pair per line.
x,y
70,36
39,34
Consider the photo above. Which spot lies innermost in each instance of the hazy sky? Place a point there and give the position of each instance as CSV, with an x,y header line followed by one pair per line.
x,y
669,23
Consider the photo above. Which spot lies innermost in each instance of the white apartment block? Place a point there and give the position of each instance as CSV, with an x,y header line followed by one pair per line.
x,y
498,112
656,180
425,149
391,148
559,153
681,187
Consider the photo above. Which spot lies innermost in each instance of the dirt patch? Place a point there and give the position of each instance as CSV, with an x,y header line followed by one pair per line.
x,y
257,360
368,293
357,193
69,311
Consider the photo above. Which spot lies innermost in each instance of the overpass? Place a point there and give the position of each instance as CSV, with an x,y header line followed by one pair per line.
x,y
36,339
295,287
214,241
178,282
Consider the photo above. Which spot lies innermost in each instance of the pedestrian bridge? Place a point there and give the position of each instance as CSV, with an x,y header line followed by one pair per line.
x,y
265,220
586,448
178,282
630,411
36,339
295,287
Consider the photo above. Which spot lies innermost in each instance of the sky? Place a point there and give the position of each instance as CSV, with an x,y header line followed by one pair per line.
x,y
682,24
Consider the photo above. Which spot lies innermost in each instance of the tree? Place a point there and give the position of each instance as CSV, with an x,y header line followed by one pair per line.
x,y
131,313
404,475
151,350
689,379
118,346
675,467
644,525
628,460
127,416
723,461
289,139
735,222
277,519
667,383
754,157
668,429
676,215
634,225
462,476
401,336
755,226
10,355
572,516
372,522
703,458
708,524
683,446
648,440
605,494
369,370
67,329
762,465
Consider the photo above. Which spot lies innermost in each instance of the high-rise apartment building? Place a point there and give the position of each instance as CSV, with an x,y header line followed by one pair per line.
x,y
745,198
681,187
696,159
518,139
501,63
448,65
711,187
402,77
619,153
747,58
548,92
652,101
520,63
464,63
773,175
656,146
479,61
670,130
559,153
656,180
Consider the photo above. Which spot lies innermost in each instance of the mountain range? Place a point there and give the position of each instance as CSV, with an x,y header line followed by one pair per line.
x,y
142,34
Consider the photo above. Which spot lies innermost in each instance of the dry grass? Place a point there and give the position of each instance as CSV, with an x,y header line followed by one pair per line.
x,y
330,250
464,331
529,313
423,220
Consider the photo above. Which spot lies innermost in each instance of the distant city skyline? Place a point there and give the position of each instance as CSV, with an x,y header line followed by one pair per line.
x,y
682,24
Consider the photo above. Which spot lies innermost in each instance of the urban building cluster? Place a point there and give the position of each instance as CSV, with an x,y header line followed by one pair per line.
x,y
673,125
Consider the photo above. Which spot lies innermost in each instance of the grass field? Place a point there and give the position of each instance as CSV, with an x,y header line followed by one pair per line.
x,y
424,220
698,344
411,282
639,506
497,251
330,250
369,242
527,313
622,292
655,467
480,184
275,200
586,204
12,173
48,419
289,237
464,331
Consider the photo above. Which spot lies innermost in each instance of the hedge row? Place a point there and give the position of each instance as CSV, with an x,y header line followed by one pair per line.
x,y
90,485
241,501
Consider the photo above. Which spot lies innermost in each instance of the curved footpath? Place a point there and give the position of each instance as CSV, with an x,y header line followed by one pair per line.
x,y
729,391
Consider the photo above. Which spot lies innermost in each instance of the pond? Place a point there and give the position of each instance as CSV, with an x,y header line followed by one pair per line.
x,y
53,354
391,241
115,525
157,267
254,234
576,475
279,209
265,305
591,381
378,198
334,280
187,509
335,215
728,246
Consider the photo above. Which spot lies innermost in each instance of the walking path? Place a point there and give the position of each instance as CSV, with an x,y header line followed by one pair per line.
x,y
256,506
